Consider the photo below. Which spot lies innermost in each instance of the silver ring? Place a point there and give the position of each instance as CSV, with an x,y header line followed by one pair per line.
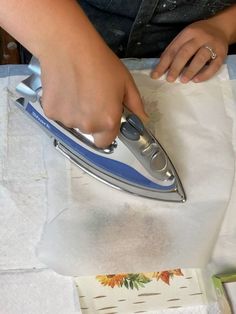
x,y
213,54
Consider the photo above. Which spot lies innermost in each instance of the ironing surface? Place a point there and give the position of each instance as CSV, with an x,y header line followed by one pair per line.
x,y
94,229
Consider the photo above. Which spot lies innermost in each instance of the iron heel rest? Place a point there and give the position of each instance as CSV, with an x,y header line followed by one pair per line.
x,y
135,162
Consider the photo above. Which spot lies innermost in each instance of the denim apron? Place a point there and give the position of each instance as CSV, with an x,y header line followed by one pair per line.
x,y
143,28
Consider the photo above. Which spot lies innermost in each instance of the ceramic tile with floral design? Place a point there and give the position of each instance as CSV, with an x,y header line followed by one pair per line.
x,y
173,291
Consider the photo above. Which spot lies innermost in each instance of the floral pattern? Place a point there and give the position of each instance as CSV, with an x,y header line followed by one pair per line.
x,y
139,280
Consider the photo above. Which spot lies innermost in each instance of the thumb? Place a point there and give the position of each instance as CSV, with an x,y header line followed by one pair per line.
x,y
133,101
104,139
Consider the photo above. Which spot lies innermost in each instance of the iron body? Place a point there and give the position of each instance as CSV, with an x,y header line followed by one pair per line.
x,y
135,162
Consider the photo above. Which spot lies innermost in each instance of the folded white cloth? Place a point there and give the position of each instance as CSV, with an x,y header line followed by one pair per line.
x,y
22,183
36,292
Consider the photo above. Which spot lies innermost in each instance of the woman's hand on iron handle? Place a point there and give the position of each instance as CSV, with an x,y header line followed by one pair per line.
x,y
89,91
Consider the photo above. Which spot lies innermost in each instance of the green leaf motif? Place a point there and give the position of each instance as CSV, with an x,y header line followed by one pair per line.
x,y
131,284
135,281
126,283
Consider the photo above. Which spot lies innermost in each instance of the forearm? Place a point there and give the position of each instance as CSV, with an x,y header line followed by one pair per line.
x,y
226,21
44,24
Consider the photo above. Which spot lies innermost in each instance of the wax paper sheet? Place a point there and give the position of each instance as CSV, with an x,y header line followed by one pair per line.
x,y
93,228
224,254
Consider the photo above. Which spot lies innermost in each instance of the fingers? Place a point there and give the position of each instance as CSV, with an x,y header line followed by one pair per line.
x,y
209,71
188,55
133,101
103,124
104,139
198,63
192,64
170,54
185,53
174,60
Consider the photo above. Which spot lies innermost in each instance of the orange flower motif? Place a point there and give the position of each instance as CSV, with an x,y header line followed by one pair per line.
x,y
112,280
167,274
177,272
136,281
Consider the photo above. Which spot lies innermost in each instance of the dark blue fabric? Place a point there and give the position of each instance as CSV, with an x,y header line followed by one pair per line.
x,y
143,28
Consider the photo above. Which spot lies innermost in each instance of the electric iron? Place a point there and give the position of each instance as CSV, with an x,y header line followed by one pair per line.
x,y
135,162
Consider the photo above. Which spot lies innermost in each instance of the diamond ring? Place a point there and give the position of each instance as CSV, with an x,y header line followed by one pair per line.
x,y
213,54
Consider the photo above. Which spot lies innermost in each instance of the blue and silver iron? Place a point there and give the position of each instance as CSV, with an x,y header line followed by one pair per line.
x,y
135,162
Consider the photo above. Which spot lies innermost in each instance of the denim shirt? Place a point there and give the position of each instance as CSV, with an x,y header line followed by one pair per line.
x,y
143,28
